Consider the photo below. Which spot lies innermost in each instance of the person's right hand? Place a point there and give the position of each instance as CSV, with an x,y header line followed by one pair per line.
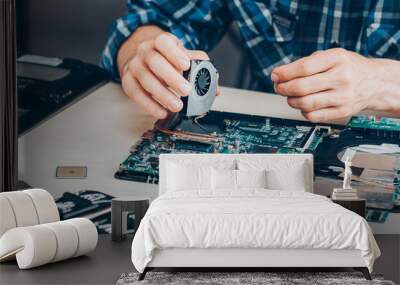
x,y
152,77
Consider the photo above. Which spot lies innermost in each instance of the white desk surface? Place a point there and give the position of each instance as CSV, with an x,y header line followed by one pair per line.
x,y
98,131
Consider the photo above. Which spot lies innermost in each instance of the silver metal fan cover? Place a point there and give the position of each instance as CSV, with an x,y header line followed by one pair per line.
x,y
200,103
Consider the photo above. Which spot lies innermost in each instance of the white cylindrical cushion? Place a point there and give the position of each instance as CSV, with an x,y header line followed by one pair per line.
x,y
7,218
67,240
45,205
23,208
33,246
87,235
37,245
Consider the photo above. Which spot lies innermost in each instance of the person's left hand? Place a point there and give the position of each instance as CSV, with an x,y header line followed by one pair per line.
x,y
327,85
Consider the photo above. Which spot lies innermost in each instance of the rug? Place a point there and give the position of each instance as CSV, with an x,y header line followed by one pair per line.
x,y
244,278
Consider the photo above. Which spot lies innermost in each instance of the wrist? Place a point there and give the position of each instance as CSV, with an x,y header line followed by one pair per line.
x,y
373,84
128,49
386,90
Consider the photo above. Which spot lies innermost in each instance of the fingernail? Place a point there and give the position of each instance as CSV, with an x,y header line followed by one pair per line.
x,y
177,105
185,88
185,64
274,77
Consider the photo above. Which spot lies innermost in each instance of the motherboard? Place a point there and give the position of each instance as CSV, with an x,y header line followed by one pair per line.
x,y
218,132
223,132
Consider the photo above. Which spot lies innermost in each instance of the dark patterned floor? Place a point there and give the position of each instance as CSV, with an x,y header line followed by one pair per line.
x,y
244,278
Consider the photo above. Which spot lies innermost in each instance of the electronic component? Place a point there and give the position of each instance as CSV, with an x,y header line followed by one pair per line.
x,y
226,133
203,77
380,127
223,132
372,122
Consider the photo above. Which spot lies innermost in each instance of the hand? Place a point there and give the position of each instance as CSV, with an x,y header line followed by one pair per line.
x,y
328,85
152,76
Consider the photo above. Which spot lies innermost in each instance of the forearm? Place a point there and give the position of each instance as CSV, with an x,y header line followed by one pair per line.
x,y
386,87
129,47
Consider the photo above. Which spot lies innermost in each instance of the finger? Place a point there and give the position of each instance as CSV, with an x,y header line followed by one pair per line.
x,y
167,73
142,98
218,88
218,91
327,114
316,63
168,45
306,85
157,90
198,54
314,102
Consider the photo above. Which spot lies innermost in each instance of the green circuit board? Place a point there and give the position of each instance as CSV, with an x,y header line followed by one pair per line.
x,y
233,133
373,123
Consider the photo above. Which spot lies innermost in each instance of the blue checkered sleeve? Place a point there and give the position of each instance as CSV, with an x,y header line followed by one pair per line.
x,y
382,37
274,32
198,24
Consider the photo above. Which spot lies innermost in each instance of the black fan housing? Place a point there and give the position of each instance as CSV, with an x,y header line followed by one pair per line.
x,y
203,81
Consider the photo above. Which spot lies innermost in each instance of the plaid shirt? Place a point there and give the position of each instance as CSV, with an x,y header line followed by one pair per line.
x,y
274,32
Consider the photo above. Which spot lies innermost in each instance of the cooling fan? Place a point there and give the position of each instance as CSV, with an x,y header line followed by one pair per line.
x,y
203,76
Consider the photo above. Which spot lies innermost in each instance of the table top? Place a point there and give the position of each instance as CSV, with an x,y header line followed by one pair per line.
x,y
102,266
99,130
